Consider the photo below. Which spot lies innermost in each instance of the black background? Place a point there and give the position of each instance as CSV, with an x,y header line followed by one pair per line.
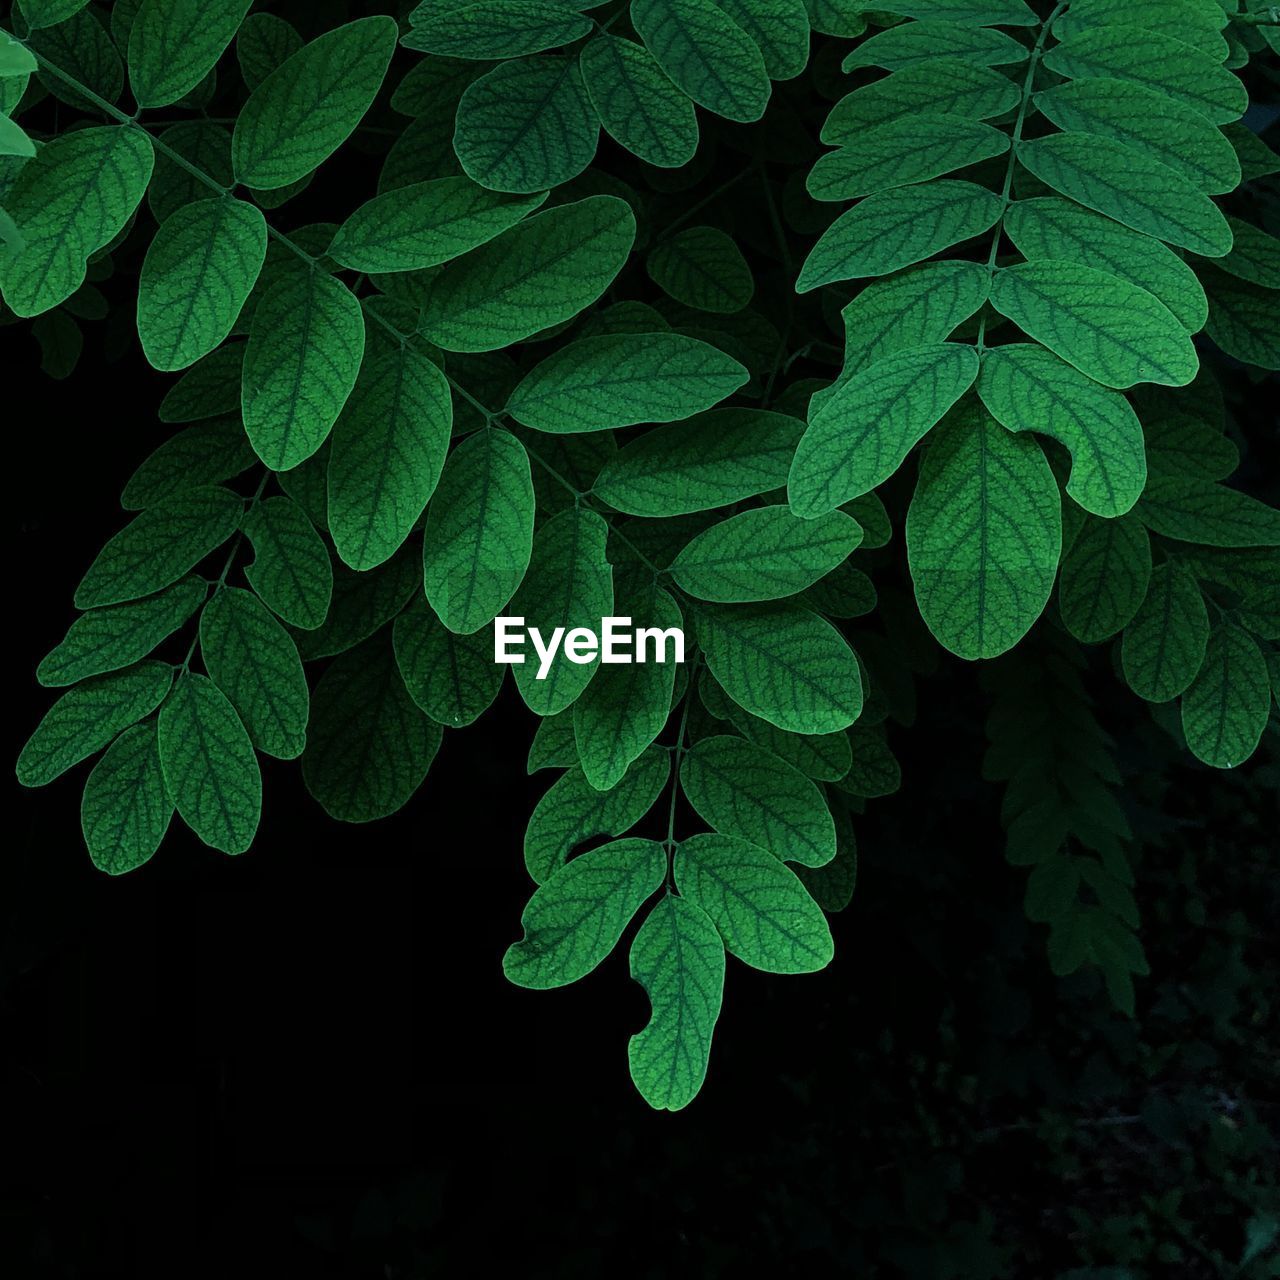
x,y
306,1060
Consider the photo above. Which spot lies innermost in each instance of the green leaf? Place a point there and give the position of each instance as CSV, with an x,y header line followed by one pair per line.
x,y
17,59
941,86
125,810
1104,577
83,51
704,269
210,771
625,706
388,449
706,53
569,585
205,147
1164,646
174,44
1244,320
1156,61
1051,228
860,434
362,604
118,635
766,553
678,958
1181,444
254,661
712,460
1192,509
742,790
309,105
1196,22
263,43
206,453
1225,710
368,745
1111,330
1126,184
618,380
637,103
13,139
1027,388
831,886
159,546
526,125
573,811
425,224
479,533
900,152
873,769
782,663
300,364
195,278
48,13
757,904
1254,256
780,30
69,201
491,29
913,43
541,272
453,678
892,229
88,717
1166,128
291,570
984,533
979,13
576,917
915,308
209,389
